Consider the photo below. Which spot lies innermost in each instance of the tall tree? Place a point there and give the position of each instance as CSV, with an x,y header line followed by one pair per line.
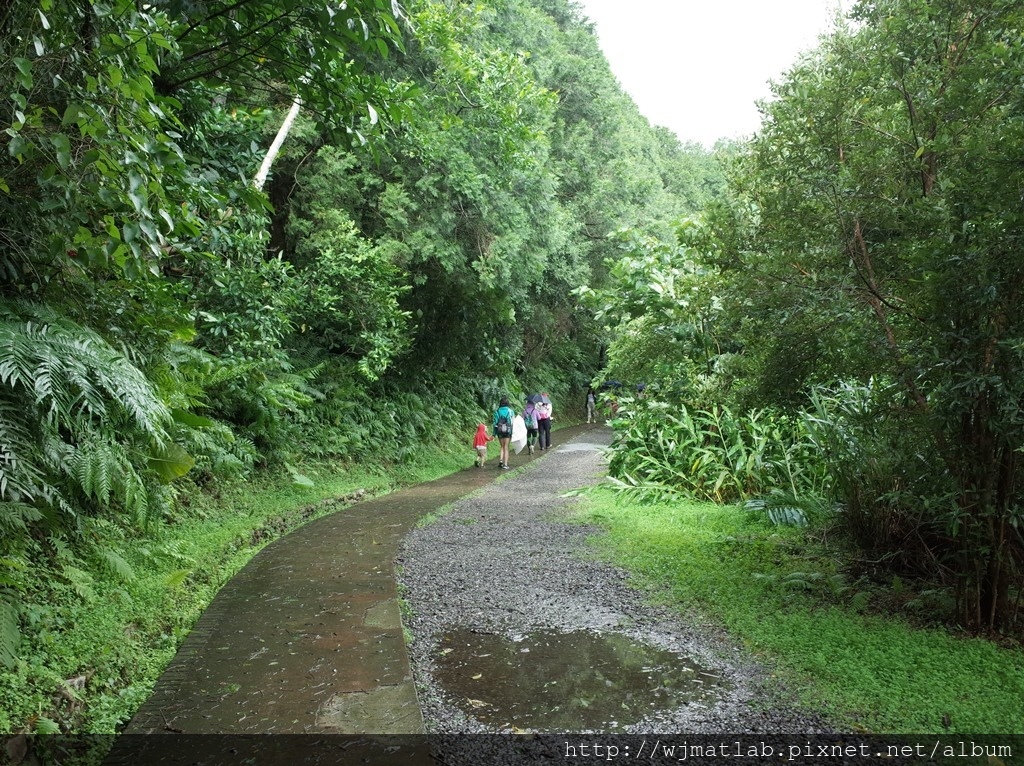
x,y
887,190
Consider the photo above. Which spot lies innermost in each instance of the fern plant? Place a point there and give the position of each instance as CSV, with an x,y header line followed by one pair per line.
x,y
76,412
83,435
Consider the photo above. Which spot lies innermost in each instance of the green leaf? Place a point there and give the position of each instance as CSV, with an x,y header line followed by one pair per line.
x,y
299,479
63,148
116,564
191,420
171,462
24,76
46,725
16,147
131,231
176,578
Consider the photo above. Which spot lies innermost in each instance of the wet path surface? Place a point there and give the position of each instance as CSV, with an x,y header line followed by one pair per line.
x,y
547,680
521,641
308,638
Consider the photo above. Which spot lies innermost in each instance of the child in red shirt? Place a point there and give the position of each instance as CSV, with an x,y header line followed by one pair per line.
x,y
480,445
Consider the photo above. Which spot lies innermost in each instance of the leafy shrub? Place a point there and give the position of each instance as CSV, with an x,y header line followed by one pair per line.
x,y
905,503
882,467
712,454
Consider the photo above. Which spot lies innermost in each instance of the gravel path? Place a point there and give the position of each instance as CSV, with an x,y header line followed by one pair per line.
x,y
506,562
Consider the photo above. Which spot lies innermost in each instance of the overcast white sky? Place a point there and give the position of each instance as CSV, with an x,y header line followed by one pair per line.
x,y
698,66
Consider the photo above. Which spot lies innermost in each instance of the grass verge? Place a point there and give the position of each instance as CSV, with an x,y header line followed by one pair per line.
x,y
779,590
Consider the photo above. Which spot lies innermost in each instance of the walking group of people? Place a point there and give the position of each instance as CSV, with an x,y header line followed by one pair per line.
x,y
536,419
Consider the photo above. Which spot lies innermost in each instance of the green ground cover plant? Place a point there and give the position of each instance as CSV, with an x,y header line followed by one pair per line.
x,y
782,592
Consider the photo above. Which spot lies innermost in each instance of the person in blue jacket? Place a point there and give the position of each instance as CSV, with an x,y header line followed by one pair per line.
x,y
503,417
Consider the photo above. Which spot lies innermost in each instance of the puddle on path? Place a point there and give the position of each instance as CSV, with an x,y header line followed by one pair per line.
x,y
551,681
580,447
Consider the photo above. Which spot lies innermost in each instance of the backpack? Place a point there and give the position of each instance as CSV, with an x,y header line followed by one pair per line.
x,y
504,424
530,417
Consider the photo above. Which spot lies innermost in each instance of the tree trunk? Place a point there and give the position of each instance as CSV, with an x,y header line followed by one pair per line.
x,y
275,147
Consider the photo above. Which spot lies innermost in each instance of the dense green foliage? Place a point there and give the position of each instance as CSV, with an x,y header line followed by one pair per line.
x,y
166,326
907,215
779,592
861,283
727,457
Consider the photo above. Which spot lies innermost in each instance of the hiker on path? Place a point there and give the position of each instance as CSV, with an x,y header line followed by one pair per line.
x,y
544,422
530,421
591,405
480,444
503,417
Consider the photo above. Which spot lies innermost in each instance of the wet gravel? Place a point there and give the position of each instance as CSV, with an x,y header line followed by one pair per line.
x,y
508,561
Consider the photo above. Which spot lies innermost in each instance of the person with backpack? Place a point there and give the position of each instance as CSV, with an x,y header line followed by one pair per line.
x,y
530,421
503,417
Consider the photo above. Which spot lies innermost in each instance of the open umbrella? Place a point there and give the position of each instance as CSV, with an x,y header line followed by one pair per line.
x,y
535,398
544,399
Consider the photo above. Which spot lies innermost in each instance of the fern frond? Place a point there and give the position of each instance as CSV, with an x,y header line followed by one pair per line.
x,y
643,492
46,726
138,501
785,509
93,465
103,472
20,477
176,578
70,371
116,564
172,552
180,377
781,514
81,582
78,419
15,517
227,372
